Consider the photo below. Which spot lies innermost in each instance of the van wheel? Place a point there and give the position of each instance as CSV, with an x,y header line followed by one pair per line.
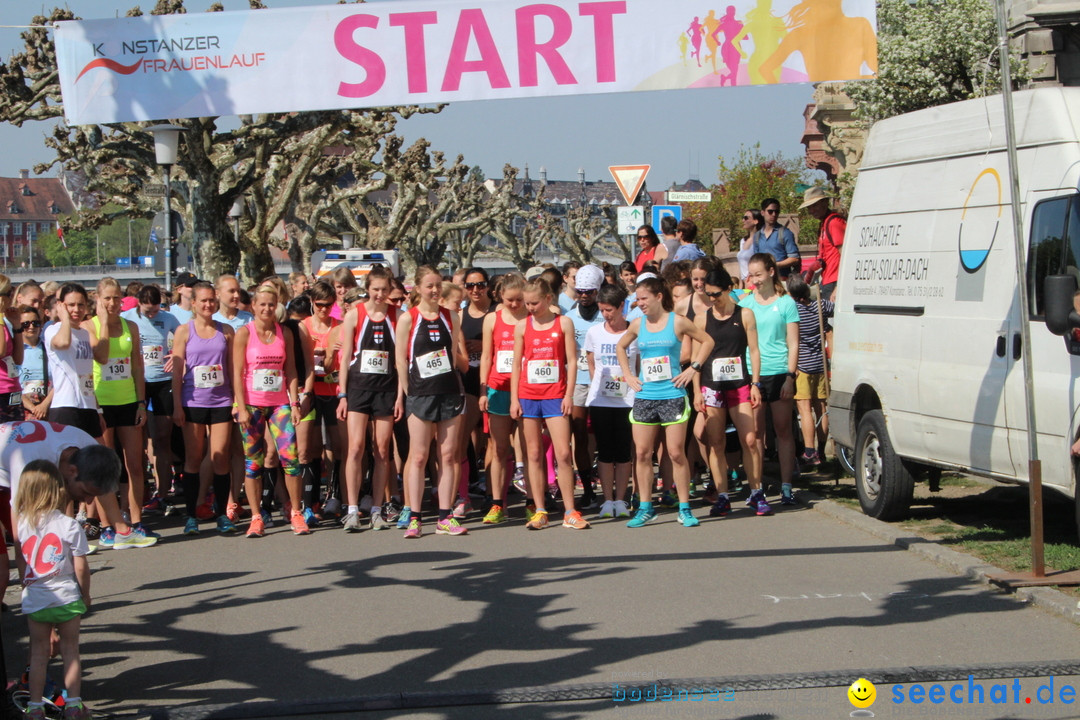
x,y
885,486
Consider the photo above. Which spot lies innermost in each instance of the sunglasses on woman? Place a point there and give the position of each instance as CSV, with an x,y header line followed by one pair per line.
x,y
715,294
31,324
476,285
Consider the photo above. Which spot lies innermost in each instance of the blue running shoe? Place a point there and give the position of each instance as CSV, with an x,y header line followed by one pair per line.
x,y
107,538
310,519
788,499
404,517
191,527
669,501
225,526
721,507
762,506
687,518
268,520
645,514
147,533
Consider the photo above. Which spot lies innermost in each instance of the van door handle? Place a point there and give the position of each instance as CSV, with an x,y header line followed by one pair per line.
x,y
1001,346
1017,346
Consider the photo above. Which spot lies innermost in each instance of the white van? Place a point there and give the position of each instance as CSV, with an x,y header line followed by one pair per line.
x,y
359,261
927,370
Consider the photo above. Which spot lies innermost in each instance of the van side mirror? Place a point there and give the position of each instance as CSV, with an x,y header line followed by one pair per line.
x,y
1058,291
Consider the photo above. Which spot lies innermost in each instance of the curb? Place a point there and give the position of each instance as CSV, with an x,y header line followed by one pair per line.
x,y
1046,598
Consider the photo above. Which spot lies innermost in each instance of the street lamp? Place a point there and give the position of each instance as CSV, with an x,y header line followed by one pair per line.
x,y
130,252
166,140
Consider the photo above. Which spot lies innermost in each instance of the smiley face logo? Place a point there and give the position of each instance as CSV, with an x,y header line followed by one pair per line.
x,y
862,693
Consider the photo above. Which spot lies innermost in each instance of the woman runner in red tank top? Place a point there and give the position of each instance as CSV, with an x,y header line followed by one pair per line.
x,y
496,373
545,355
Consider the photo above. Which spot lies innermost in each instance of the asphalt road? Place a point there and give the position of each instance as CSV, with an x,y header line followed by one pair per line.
x,y
292,626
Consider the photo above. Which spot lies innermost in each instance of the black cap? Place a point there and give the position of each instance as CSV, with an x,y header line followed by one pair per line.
x,y
186,279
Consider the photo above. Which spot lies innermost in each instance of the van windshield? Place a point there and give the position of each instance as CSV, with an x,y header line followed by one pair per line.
x,y
1055,246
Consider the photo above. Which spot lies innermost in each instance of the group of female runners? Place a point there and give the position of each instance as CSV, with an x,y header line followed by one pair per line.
x,y
401,391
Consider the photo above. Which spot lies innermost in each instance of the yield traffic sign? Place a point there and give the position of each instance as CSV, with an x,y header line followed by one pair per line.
x,y
629,178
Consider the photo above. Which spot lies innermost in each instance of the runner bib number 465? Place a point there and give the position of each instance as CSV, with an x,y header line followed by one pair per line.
x,y
434,363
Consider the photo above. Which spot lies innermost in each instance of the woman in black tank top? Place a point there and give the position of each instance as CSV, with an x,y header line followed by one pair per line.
x,y
726,386
472,436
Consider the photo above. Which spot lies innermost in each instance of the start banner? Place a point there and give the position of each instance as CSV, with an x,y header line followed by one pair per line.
x,y
158,67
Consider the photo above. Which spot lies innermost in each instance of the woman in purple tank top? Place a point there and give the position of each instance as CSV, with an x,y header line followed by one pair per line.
x,y
202,353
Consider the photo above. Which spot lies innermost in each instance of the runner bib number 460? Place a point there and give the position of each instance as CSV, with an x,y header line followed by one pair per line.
x,y
543,372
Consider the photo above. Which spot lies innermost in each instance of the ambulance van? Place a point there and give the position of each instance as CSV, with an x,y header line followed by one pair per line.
x,y
927,369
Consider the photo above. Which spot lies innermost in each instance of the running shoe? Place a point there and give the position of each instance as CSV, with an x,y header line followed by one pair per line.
x,y
721,507
462,509
643,516
268,520
495,515
225,526
232,511
352,523
191,527
206,510
414,529
788,498
92,529
404,517
35,712
310,518
607,510
538,521
106,539
687,518
669,501
761,507
574,521
91,548
378,522
137,538
622,510
299,526
332,506
519,479
155,506
147,532
77,711
809,458
256,528
391,510
530,510
588,499
450,526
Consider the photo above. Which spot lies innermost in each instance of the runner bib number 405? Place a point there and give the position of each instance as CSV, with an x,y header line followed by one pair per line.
x,y
727,369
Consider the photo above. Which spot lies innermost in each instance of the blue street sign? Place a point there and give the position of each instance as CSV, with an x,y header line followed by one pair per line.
x,y
661,211
153,236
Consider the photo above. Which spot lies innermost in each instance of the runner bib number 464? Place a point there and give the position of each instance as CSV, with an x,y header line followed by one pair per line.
x,y
375,362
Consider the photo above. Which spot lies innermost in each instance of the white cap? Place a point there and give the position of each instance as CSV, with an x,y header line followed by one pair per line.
x,y
589,277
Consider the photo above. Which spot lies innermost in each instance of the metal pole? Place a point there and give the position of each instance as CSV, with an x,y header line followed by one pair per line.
x,y
1038,566
168,234
30,248
130,251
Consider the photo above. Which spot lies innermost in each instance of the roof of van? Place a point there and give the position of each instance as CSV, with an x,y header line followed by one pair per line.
x,y
973,126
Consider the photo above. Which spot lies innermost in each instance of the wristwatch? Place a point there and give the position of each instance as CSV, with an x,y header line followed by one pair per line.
x,y
695,366
792,375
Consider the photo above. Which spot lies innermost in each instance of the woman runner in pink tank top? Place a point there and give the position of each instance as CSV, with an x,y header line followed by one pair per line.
x,y
266,389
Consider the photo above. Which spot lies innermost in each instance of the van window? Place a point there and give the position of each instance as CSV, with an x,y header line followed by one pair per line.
x,y
1054,247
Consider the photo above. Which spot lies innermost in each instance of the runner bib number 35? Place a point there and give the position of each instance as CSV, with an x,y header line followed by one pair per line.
x,y
267,380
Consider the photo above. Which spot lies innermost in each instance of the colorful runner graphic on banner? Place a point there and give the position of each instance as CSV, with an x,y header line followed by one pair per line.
x,y
376,54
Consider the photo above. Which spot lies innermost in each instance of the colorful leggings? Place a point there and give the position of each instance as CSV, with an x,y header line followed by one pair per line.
x,y
278,421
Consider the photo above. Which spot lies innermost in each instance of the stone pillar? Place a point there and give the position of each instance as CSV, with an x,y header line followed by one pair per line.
x,y
1047,33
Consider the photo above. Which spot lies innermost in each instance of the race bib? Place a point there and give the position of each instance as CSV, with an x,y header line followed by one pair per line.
x,y
613,386
474,360
116,369
434,363
267,380
375,362
320,362
153,355
208,376
86,386
504,362
727,369
655,369
34,387
542,372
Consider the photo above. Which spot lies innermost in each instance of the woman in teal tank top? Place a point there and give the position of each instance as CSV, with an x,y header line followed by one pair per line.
x,y
120,388
660,399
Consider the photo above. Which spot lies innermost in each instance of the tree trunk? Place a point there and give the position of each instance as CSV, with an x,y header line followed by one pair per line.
x,y
213,244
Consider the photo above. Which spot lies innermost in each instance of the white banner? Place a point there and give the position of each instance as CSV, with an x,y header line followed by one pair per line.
x,y
158,67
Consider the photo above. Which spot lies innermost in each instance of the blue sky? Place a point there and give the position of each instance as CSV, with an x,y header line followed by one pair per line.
x,y
679,133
